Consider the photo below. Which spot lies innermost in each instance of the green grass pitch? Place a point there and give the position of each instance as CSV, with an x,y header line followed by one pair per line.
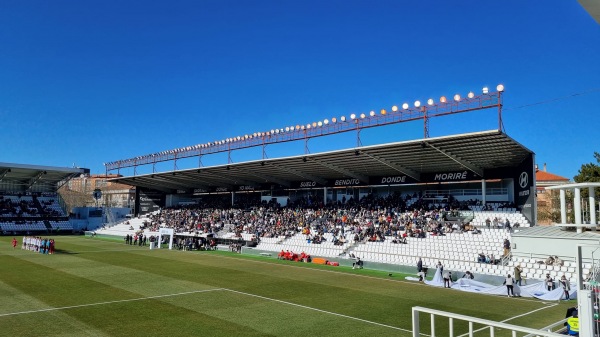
x,y
96,287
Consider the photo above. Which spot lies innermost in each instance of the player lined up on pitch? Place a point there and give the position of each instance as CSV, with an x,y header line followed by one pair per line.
x,y
38,244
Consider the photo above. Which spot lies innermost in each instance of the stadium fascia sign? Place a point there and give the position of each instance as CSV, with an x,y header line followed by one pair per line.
x,y
392,180
342,182
465,175
350,182
239,188
425,178
198,191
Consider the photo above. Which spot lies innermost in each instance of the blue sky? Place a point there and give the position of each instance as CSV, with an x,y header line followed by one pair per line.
x,y
87,82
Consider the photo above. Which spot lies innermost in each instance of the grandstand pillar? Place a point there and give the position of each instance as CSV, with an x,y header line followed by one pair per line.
x,y
324,195
585,295
577,208
232,198
592,205
563,206
483,192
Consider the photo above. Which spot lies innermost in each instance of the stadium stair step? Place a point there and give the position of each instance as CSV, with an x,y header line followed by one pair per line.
x,y
48,225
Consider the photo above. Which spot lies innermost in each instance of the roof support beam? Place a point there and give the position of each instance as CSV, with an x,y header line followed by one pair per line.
x,y
399,168
195,177
4,173
268,178
348,173
300,174
235,181
154,186
474,168
64,181
35,179
169,183
184,179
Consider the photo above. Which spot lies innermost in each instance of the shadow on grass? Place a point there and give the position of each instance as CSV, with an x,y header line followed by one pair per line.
x,y
64,251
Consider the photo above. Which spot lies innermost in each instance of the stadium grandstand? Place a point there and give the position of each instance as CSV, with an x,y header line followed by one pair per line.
x,y
453,199
466,201
29,202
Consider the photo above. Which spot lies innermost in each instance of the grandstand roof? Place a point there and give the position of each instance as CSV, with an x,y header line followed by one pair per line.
x,y
592,7
416,161
26,176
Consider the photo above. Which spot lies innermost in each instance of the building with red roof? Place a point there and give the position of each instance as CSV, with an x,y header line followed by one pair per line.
x,y
548,201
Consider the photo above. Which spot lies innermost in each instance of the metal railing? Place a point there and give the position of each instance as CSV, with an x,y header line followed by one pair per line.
x,y
488,325
466,192
557,327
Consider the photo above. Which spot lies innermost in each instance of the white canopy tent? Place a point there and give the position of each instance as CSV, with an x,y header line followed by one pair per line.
x,y
166,231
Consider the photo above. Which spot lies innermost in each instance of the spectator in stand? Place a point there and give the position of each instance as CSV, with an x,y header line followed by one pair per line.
x,y
506,246
481,258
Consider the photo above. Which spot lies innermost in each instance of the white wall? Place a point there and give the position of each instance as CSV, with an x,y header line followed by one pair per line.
x,y
542,247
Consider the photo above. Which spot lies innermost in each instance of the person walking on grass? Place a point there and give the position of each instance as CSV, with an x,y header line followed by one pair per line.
x,y
509,282
566,287
518,277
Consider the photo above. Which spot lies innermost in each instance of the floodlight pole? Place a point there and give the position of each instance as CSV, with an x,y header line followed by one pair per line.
x,y
229,153
500,111
425,123
306,150
358,129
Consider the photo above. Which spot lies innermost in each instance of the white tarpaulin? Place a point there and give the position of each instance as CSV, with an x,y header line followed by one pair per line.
x,y
537,290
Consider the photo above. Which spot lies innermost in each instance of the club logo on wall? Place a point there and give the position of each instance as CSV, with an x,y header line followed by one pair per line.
x,y
523,179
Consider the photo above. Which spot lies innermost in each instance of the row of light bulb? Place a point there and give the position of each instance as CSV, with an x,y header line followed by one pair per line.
x,y
395,108
405,106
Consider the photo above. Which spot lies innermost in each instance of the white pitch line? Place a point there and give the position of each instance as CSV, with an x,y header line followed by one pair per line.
x,y
320,310
530,312
511,318
110,302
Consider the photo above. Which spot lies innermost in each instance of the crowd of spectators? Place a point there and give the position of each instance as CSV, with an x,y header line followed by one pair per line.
x,y
372,218
489,259
25,206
